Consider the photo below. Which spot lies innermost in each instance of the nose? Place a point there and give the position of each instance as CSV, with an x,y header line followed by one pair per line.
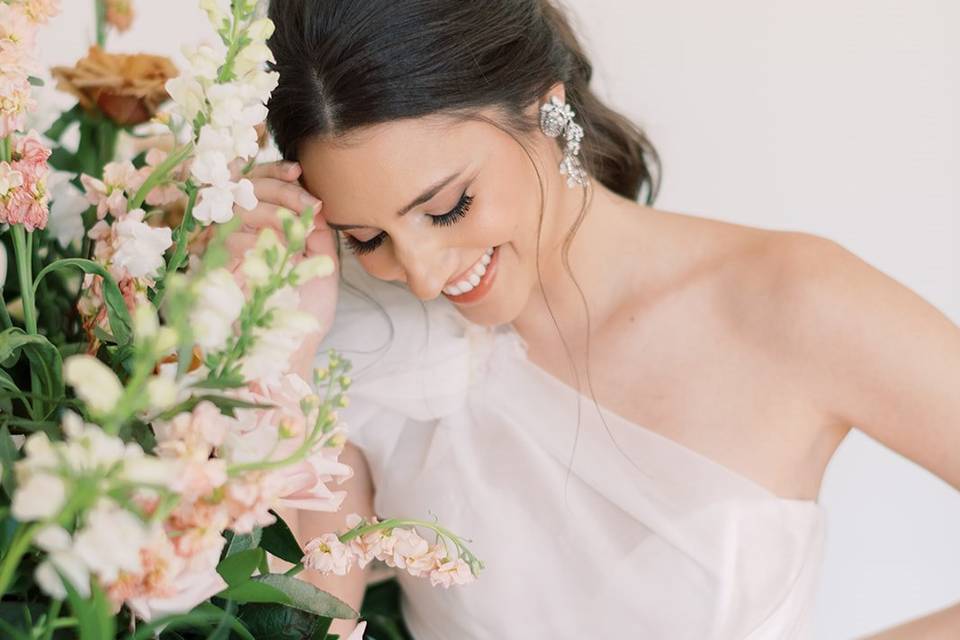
x,y
422,268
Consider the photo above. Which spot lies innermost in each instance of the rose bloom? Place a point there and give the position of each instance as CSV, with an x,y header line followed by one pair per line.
x,y
128,89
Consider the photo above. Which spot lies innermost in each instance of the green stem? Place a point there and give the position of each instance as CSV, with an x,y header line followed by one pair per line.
x,y
100,10
5,320
294,570
5,153
182,235
160,174
21,543
52,619
25,272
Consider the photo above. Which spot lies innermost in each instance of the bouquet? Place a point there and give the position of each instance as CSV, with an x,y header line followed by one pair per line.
x,y
151,421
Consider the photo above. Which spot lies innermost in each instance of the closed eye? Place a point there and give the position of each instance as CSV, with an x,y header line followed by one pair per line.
x,y
451,217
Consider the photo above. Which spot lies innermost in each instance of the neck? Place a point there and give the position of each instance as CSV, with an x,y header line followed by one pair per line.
x,y
602,258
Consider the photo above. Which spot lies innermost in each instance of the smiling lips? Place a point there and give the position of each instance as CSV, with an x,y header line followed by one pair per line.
x,y
470,279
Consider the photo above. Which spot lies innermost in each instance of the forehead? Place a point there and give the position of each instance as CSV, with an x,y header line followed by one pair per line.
x,y
381,168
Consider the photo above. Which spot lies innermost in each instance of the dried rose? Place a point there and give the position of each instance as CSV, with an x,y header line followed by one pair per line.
x,y
128,89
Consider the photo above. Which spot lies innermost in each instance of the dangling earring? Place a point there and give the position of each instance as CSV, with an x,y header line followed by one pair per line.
x,y
556,117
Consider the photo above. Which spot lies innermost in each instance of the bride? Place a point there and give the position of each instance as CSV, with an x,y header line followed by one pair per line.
x,y
627,410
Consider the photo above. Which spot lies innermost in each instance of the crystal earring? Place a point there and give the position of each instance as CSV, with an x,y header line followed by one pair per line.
x,y
556,118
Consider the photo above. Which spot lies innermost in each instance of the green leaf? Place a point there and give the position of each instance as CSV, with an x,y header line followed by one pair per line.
x,y
56,130
280,541
239,567
93,613
293,592
44,358
242,541
8,455
253,591
117,312
278,622
205,615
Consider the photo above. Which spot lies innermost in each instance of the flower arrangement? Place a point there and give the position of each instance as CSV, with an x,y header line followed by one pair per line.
x,y
151,421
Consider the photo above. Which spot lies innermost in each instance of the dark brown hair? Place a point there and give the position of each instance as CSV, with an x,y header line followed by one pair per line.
x,y
347,64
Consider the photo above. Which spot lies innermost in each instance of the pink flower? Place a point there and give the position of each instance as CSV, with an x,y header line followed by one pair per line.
x,y
27,203
327,554
369,546
169,583
41,11
409,549
450,572
192,435
277,434
120,179
166,192
17,31
249,499
15,101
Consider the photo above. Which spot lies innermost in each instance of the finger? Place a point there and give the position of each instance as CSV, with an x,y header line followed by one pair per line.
x,y
281,170
320,242
263,215
285,194
239,242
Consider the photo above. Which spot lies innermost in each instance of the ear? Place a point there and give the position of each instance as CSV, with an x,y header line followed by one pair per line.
x,y
557,89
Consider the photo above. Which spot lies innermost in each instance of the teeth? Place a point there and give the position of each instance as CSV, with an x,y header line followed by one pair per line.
x,y
473,279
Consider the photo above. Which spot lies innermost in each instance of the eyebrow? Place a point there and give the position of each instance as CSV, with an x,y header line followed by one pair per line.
x,y
426,196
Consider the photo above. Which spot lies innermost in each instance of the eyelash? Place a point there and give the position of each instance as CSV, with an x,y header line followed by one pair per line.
x,y
447,219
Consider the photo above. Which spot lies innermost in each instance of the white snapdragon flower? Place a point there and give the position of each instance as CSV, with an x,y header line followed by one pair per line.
x,y
229,106
141,247
205,60
269,358
40,497
216,12
94,382
67,204
219,303
187,92
110,541
61,560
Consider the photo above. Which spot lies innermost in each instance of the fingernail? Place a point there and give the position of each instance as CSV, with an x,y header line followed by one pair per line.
x,y
309,201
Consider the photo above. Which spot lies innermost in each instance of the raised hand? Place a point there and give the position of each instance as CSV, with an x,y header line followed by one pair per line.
x,y
276,184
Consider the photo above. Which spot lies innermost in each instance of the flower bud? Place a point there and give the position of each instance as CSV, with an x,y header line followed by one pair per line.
x,y
260,30
93,381
3,265
313,267
161,392
145,321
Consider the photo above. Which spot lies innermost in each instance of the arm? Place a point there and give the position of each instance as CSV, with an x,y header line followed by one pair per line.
x,y
307,525
879,357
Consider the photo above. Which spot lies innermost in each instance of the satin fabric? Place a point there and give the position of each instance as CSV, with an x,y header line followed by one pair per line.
x,y
606,530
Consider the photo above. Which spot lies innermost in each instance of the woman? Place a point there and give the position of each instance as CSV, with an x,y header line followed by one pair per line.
x,y
627,410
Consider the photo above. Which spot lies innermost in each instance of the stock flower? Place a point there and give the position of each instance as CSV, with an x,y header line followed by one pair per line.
x,y
40,497
110,541
370,545
67,204
119,14
41,10
23,189
140,247
110,194
451,572
10,179
408,548
327,554
94,382
219,303
273,346
61,559
15,101
173,584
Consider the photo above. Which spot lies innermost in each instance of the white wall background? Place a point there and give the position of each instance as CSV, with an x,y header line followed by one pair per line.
x,y
837,118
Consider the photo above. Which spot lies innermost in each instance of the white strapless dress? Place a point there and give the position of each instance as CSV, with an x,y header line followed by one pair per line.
x,y
458,425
